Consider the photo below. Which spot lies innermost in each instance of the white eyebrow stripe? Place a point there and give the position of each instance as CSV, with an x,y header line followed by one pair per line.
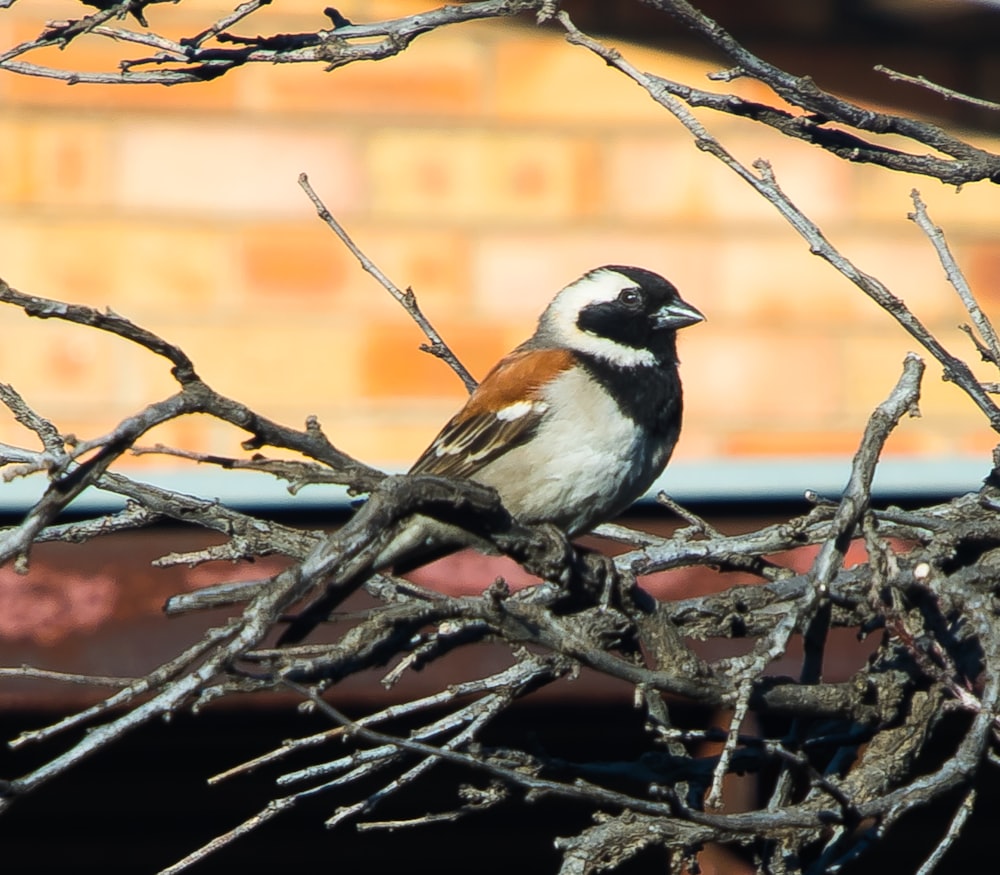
x,y
559,320
518,409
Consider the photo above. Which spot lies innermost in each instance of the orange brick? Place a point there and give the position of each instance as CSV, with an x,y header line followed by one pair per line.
x,y
972,208
819,184
245,170
517,273
436,264
772,280
14,159
172,272
305,264
980,262
55,363
19,248
376,10
443,73
541,78
980,442
137,268
420,173
278,366
468,175
69,162
944,398
656,177
873,363
884,196
907,265
394,438
533,177
141,377
96,54
69,260
200,434
733,375
394,366
701,439
811,442
294,264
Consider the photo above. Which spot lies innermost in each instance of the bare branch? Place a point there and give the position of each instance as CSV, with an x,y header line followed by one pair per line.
x,y
85,680
969,163
946,93
957,279
763,181
840,768
45,308
407,299
214,51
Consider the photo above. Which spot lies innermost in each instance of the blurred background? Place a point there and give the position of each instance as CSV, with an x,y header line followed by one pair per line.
x,y
486,166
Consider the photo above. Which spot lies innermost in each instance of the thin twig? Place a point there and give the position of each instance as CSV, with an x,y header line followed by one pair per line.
x,y
691,518
957,279
962,815
714,798
85,680
407,299
764,182
946,93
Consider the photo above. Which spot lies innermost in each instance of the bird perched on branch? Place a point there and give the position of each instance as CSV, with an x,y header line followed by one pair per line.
x,y
570,428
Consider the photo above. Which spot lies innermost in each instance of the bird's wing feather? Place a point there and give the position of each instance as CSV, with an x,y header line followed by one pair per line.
x,y
502,413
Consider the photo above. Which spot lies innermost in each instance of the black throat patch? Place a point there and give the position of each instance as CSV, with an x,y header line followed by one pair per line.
x,y
649,395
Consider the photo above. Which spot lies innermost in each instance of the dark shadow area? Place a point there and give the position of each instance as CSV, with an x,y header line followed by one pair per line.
x,y
144,804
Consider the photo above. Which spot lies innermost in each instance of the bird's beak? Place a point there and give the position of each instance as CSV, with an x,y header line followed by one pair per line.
x,y
679,314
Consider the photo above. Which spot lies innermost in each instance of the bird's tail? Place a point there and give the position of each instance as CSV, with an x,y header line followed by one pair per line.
x,y
420,540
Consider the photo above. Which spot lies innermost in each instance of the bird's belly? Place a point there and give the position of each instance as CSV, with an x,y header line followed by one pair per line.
x,y
578,470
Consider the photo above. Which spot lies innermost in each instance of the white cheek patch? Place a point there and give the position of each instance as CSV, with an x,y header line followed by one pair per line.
x,y
616,353
517,410
560,319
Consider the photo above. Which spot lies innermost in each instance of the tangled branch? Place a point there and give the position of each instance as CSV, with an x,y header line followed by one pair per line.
x,y
806,111
844,765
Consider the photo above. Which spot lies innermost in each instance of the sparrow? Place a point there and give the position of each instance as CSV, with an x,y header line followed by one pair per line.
x,y
570,427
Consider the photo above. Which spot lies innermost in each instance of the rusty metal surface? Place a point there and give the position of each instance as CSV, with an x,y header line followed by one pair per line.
x,y
96,608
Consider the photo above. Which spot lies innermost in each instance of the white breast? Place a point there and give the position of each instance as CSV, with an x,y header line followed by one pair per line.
x,y
586,463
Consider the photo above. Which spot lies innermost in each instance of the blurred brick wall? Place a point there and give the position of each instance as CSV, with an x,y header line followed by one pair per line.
x,y
486,166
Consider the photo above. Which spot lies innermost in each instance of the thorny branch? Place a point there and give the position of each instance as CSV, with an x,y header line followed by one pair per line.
x,y
841,771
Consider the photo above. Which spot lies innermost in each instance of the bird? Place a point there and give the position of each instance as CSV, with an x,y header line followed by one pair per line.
x,y
570,428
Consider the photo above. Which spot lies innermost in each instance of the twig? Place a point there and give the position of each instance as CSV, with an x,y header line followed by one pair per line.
x,y
822,108
946,93
763,181
297,474
692,519
524,672
954,829
224,23
47,433
407,299
270,811
957,279
46,308
333,48
854,502
714,798
86,680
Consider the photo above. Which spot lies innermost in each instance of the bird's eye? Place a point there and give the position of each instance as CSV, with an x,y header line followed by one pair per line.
x,y
630,297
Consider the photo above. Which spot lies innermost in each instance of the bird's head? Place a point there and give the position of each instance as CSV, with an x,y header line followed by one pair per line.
x,y
626,316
